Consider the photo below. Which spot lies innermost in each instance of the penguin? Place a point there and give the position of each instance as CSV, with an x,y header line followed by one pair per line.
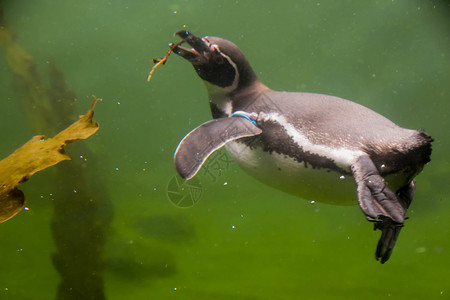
x,y
318,147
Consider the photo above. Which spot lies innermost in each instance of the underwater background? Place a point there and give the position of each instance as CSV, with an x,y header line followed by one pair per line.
x,y
116,222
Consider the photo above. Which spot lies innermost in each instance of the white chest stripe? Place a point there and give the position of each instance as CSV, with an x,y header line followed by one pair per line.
x,y
341,156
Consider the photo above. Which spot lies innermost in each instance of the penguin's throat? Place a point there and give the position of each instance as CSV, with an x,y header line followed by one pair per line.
x,y
219,99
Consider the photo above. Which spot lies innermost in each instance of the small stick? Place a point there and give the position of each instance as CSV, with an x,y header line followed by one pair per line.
x,y
163,60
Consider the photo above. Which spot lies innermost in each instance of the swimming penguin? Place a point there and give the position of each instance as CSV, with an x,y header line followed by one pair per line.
x,y
310,145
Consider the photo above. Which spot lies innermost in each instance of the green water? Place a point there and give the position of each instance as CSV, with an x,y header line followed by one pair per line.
x,y
241,239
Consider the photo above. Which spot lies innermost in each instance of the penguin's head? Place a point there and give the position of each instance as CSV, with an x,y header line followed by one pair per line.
x,y
217,61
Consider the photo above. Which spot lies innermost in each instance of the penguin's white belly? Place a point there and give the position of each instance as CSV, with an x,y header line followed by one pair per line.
x,y
293,177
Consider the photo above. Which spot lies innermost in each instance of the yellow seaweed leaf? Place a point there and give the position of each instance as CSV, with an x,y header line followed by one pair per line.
x,y
34,156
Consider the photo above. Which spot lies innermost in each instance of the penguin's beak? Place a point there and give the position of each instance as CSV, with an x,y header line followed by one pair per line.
x,y
201,50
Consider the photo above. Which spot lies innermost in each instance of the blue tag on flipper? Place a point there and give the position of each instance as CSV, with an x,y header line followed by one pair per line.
x,y
242,114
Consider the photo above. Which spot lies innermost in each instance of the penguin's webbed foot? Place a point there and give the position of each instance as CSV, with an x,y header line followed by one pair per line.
x,y
374,196
390,231
380,205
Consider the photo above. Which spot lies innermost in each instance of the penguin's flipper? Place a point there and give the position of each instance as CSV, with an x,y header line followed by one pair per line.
x,y
201,142
380,205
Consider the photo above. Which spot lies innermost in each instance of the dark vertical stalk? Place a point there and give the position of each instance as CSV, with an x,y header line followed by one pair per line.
x,y
82,208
